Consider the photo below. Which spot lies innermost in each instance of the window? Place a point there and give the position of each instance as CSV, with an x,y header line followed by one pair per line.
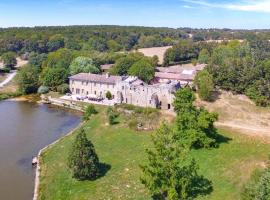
x,y
169,106
82,91
126,100
100,93
123,88
77,91
72,90
150,102
95,84
87,93
95,92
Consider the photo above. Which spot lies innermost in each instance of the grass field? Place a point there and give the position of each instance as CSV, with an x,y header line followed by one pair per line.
x,y
122,149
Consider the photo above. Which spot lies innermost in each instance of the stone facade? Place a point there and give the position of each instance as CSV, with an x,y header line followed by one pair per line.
x,y
129,90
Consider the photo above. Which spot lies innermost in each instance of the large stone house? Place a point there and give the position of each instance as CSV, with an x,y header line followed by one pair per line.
x,y
124,89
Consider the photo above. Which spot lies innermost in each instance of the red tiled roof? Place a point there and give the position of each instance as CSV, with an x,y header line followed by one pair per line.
x,y
96,78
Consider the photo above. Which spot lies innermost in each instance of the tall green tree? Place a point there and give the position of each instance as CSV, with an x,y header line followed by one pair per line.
x,y
83,160
143,70
205,85
170,173
195,127
28,79
9,59
53,77
83,64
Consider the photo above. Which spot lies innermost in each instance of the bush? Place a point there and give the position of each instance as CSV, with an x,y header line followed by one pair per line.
x,y
89,111
112,115
43,89
63,89
5,70
109,95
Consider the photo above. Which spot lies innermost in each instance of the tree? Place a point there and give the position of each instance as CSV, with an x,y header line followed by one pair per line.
x,y
28,79
195,127
36,59
9,59
63,88
53,77
170,173
83,64
204,56
109,95
112,115
113,46
143,70
56,42
83,160
204,84
258,187
60,58
122,65
89,111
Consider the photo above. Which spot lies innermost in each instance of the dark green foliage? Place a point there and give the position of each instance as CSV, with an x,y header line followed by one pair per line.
x,y
112,115
122,65
204,84
83,160
56,42
61,58
89,111
170,173
258,187
36,59
63,88
234,67
204,56
184,51
53,77
9,59
109,95
143,69
28,79
195,127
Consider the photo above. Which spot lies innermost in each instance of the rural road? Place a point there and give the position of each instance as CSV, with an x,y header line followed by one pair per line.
x,y
9,78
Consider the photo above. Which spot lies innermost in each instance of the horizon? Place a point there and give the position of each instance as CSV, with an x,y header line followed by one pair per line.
x,y
206,14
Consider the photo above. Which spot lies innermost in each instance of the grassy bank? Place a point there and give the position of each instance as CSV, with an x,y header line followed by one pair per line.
x,y
122,149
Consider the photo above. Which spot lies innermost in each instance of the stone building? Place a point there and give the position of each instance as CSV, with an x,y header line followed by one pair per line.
x,y
129,90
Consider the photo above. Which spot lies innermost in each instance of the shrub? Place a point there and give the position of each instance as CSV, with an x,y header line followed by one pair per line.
x,y
112,115
63,88
109,95
5,70
43,89
89,111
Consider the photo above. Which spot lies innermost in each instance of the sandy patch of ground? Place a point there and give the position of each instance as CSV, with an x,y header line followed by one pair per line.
x,y
240,113
155,51
20,63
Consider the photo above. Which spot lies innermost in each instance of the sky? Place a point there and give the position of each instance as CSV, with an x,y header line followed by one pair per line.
x,y
240,14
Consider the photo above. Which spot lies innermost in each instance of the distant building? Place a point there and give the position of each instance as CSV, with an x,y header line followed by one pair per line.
x,y
106,67
185,74
129,90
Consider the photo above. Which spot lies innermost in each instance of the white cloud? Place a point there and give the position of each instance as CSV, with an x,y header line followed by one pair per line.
x,y
244,5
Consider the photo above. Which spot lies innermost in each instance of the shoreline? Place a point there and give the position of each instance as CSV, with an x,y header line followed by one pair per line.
x,y
38,167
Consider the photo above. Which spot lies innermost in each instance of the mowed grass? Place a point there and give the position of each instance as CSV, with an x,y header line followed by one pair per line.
x,y
228,166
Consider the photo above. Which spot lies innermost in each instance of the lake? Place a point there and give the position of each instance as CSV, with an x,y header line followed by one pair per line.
x,y
25,128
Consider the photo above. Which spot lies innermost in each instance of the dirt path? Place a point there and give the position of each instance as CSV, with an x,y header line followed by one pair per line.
x,y
240,113
8,79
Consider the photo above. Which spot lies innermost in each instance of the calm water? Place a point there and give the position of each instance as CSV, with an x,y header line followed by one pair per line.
x,y
25,128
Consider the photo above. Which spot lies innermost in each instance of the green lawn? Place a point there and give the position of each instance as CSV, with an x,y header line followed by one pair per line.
x,y
123,149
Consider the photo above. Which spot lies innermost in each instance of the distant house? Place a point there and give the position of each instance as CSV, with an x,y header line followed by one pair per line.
x,y
185,74
106,67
